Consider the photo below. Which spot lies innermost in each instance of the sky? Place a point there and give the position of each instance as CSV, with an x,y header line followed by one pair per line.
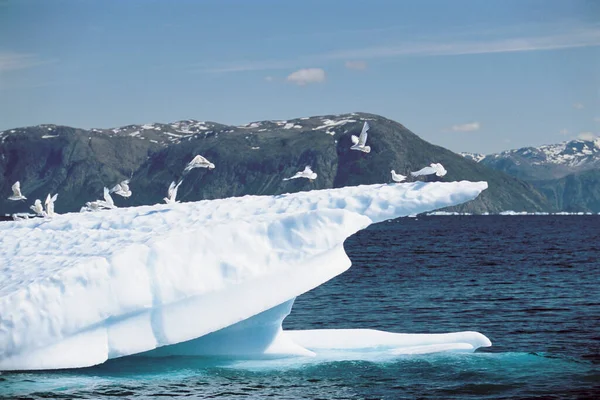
x,y
476,76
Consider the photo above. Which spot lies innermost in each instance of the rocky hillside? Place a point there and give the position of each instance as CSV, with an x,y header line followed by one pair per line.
x,y
250,159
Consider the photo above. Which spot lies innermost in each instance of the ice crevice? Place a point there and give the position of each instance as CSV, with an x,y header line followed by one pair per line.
x,y
208,278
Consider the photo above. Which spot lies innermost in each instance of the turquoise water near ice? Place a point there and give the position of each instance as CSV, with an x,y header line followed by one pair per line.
x,y
529,283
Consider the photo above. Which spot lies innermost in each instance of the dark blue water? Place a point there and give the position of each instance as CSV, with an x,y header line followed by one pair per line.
x,y
529,283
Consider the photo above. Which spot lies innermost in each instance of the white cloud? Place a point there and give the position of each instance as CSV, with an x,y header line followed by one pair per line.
x,y
470,127
586,136
269,78
13,61
357,65
473,42
565,40
306,76
564,131
578,106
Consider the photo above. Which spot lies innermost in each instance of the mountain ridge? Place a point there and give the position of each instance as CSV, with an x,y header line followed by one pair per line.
x,y
250,159
550,161
566,173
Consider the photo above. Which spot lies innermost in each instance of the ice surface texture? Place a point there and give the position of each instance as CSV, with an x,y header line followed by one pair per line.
x,y
82,288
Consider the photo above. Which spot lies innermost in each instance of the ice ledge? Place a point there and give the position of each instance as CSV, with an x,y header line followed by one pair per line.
x,y
82,288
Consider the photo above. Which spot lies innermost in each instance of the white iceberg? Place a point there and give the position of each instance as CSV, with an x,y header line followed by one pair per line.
x,y
208,277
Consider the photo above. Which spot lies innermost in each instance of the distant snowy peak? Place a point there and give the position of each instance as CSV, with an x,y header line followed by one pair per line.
x,y
473,156
575,154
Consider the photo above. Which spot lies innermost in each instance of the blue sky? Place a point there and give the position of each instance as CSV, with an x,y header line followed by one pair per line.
x,y
479,76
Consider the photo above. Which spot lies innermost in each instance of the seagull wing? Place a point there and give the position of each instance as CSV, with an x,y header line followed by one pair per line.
x,y
116,188
424,171
16,188
107,197
362,140
201,160
171,190
354,139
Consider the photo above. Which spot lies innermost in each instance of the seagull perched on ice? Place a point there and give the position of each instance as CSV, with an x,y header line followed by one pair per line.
x,y
92,206
37,208
360,142
16,188
434,168
122,189
397,177
97,205
198,162
50,205
307,173
172,193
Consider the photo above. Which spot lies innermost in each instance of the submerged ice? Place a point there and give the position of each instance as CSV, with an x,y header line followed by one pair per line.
x,y
207,278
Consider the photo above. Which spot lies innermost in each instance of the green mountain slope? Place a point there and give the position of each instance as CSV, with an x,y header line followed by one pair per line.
x,y
250,159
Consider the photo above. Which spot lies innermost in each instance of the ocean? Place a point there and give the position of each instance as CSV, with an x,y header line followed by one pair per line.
x,y
529,283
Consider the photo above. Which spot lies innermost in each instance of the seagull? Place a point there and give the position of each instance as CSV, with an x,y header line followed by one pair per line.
x,y
16,188
50,205
20,217
307,173
37,208
434,168
397,177
92,206
360,142
97,205
198,162
172,193
122,189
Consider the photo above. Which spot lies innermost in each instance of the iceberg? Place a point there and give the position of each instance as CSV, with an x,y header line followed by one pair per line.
x,y
202,278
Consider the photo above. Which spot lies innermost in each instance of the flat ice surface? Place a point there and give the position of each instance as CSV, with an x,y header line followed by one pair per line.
x,y
85,287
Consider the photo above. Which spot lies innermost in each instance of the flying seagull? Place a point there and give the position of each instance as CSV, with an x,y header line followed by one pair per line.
x,y
434,168
16,188
122,189
397,177
50,205
172,193
37,208
307,173
360,142
198,162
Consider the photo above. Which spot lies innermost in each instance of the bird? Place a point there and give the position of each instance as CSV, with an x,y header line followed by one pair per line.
x,y
50,205
307,173
434,168
16,188
172,193
122,189
198,162
37,208
360,142
20,217
92,206
397,177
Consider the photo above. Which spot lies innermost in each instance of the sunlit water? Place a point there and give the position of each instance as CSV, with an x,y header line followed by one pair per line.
x,y
529,283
